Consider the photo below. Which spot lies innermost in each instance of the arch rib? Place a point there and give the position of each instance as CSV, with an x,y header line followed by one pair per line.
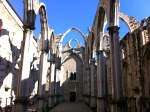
x,y
69,30
130,21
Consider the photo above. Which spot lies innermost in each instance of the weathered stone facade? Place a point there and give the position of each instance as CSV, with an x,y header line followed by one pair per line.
x,y
135,66
10,43
10,49
72,72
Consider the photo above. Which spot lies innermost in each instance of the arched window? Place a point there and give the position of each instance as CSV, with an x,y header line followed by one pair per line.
x,y
106,43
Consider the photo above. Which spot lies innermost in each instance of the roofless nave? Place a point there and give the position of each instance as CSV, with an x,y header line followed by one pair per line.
x,y
38,74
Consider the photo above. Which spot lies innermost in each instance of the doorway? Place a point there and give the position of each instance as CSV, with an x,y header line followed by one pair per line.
x,y
72,96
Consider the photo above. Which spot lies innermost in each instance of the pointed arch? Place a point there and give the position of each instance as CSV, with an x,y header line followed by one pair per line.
x,y
44,27
71,29
99,29
101,19
130,21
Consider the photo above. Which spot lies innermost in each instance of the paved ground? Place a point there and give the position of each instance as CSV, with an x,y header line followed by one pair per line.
x,y
71,107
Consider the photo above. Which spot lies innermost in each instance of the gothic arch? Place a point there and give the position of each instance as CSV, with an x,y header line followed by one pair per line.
x,y
44,37
69,30
130,21
91,44
101,19
44,27
105,41
100,27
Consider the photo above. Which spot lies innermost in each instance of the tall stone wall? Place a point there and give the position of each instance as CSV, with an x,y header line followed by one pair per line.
x,y
10,49
72,63
135,69
10,43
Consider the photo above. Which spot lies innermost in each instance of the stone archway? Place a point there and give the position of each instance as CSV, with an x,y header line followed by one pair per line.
x,y
43,58
71,29
72,90
130,21
68,31
100,27
31,8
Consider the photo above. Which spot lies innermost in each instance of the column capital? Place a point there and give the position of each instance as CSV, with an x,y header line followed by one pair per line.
x,y
113,29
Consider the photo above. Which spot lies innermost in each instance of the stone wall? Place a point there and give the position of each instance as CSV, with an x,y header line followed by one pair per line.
x,y
135,69
10,50
10,43
72,63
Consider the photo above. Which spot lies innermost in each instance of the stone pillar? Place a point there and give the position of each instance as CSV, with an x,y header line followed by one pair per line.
x,y
85,84
115,69
100,82
54,98
84,81
86,76
22,90
61,98
56,92
51,87
93,74
42,82
88,85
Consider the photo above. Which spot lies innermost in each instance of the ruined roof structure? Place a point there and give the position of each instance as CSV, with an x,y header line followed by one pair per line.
x,y
107,73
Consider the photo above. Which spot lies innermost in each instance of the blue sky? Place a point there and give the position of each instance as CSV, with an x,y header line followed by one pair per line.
x,y
64,14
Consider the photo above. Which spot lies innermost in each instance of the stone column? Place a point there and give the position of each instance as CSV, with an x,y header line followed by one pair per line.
x,y
115,68
54,98
85,84
93,95
22,89
86,71
51,87
43,63
42,82
84,81
61,98
100,82
88,85
56,94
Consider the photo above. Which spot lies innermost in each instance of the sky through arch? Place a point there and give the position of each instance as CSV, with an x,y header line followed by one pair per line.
x,y
64,14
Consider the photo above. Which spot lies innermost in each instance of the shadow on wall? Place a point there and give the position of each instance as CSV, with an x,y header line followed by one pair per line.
x,y
9,71
9,55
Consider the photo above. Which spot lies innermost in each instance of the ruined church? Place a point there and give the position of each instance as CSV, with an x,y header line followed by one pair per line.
x,y
108,73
